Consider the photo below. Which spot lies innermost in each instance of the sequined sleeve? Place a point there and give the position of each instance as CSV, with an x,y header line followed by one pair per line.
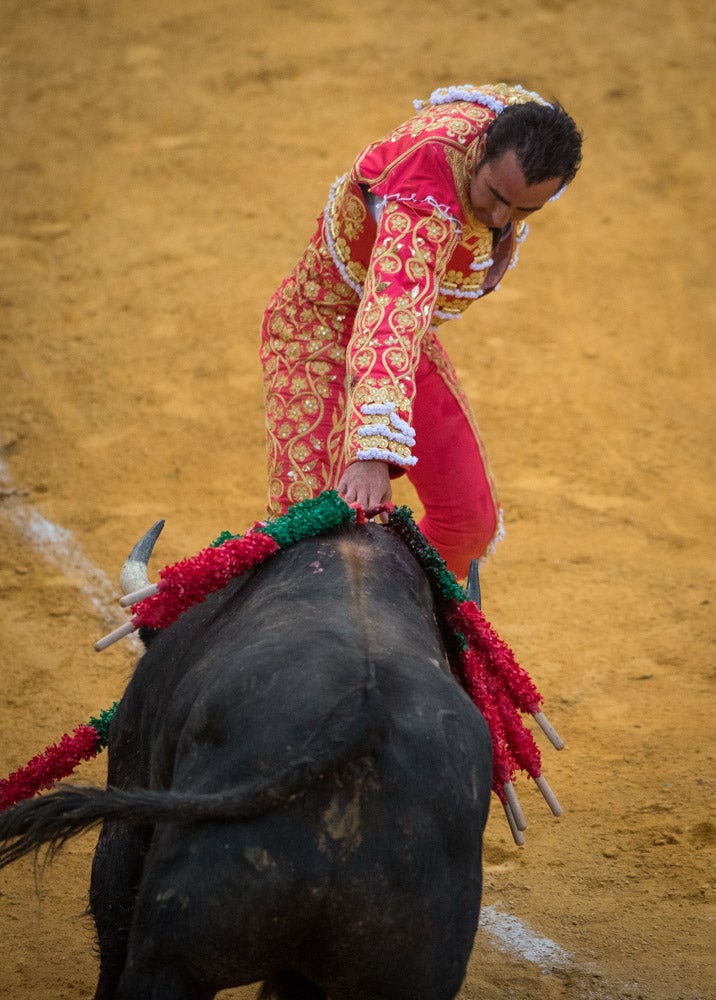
x,y
413,247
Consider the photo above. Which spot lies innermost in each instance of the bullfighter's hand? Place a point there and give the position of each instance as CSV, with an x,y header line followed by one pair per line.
x,y
366,483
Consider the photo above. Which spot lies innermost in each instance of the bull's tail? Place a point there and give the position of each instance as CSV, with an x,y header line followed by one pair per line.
x,y
56,817
350,732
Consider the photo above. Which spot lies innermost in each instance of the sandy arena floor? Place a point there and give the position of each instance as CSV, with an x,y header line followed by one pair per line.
x,y
161,165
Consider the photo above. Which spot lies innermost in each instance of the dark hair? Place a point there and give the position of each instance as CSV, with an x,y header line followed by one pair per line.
x,y
544,137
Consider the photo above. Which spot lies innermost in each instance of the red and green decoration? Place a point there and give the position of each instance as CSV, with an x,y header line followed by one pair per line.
x,y
57,760
483,664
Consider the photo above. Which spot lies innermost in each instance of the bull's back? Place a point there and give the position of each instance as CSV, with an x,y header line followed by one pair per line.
x,y
337,631
333,627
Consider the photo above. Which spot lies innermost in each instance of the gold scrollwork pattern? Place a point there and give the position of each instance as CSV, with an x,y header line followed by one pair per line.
x,y
431,122
306,327
410,256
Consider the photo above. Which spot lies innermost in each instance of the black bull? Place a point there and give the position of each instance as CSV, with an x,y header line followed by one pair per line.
x,y
297,792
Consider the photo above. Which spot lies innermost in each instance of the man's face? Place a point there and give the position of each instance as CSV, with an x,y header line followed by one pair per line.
x,y
500,194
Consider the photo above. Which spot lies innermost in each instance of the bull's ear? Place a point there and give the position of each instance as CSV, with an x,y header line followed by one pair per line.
x,y
473,584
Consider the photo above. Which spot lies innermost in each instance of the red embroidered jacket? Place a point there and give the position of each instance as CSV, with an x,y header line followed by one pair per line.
x,y
424,260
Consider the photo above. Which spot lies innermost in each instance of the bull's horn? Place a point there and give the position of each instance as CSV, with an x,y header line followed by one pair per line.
x,y
134,574
473,584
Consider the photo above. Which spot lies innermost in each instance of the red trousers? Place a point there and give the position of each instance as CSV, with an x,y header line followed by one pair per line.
x,y
451,477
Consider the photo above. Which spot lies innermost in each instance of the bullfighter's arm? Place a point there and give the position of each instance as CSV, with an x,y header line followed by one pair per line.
x,y
412,249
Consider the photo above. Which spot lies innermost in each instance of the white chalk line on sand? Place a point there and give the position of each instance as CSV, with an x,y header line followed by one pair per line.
x,y
57,546
511,935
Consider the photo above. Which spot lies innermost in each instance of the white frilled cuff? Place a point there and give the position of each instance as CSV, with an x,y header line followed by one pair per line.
x,y
388,439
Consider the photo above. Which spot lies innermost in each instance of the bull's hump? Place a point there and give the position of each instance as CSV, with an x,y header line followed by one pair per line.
x,y
364,567
359,563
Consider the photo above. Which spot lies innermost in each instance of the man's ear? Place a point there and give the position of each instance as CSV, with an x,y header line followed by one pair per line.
x,y
479,152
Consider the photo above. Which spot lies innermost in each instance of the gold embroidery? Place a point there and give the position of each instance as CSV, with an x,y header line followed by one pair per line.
x,y
367,393
384,350
346,219
455,130
303,358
